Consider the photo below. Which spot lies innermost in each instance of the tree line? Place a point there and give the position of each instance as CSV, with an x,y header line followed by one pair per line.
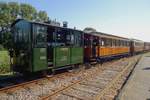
x,y
9,12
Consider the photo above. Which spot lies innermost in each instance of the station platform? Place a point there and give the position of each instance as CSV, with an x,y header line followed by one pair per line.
x,y
138,84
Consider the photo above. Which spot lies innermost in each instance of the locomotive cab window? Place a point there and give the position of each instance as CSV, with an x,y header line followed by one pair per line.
x,y
21,35
62,37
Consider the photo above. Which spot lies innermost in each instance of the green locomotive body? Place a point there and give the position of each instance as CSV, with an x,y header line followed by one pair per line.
x,y
40,46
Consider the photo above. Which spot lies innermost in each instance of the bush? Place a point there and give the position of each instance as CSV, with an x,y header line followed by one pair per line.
x,y
4,62
1,47
4,69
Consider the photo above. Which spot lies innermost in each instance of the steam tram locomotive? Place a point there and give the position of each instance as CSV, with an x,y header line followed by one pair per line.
x,y
42,47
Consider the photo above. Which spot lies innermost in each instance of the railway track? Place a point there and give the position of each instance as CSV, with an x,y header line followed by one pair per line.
x,y
35,81
16,84
91,88
81,85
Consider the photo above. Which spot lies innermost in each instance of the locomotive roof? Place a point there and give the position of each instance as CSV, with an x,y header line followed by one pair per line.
x,y
46,24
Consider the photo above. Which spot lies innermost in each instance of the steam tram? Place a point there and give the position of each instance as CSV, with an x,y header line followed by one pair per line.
x,y
42,47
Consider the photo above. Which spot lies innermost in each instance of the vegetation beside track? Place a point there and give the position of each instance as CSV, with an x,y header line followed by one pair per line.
x,y
4,62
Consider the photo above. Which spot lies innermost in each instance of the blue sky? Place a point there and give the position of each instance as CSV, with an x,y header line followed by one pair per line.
x,y
128,18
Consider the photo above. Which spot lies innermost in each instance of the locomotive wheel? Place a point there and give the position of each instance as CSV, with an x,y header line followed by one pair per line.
x,y
44,73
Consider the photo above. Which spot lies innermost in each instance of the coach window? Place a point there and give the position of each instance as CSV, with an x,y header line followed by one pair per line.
x,y
95,41
122,43
119,42
126,43
110,42
102,42
106,42
116,43
113,43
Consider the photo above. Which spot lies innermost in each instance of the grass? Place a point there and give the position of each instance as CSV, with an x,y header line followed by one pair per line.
x,y
4,62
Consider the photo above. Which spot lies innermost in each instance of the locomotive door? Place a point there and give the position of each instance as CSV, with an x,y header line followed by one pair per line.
x,y
39,48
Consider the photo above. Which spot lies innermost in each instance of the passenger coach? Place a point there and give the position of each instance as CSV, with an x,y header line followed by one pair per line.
x,y
100,46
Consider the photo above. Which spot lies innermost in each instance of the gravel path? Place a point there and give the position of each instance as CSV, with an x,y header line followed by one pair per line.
x,y
138,85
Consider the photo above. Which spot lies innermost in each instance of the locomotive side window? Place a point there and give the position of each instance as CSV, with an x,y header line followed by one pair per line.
x,y
76,38
39,32
60,37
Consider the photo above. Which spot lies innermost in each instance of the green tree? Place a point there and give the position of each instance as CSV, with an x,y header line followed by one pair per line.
x,y
10,11
42,16
13,10
27,11
4,20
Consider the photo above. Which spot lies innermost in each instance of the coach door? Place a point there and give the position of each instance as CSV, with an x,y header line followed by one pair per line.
x,y
95,44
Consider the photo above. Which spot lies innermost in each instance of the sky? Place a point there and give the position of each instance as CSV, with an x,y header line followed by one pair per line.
x,y
127,18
